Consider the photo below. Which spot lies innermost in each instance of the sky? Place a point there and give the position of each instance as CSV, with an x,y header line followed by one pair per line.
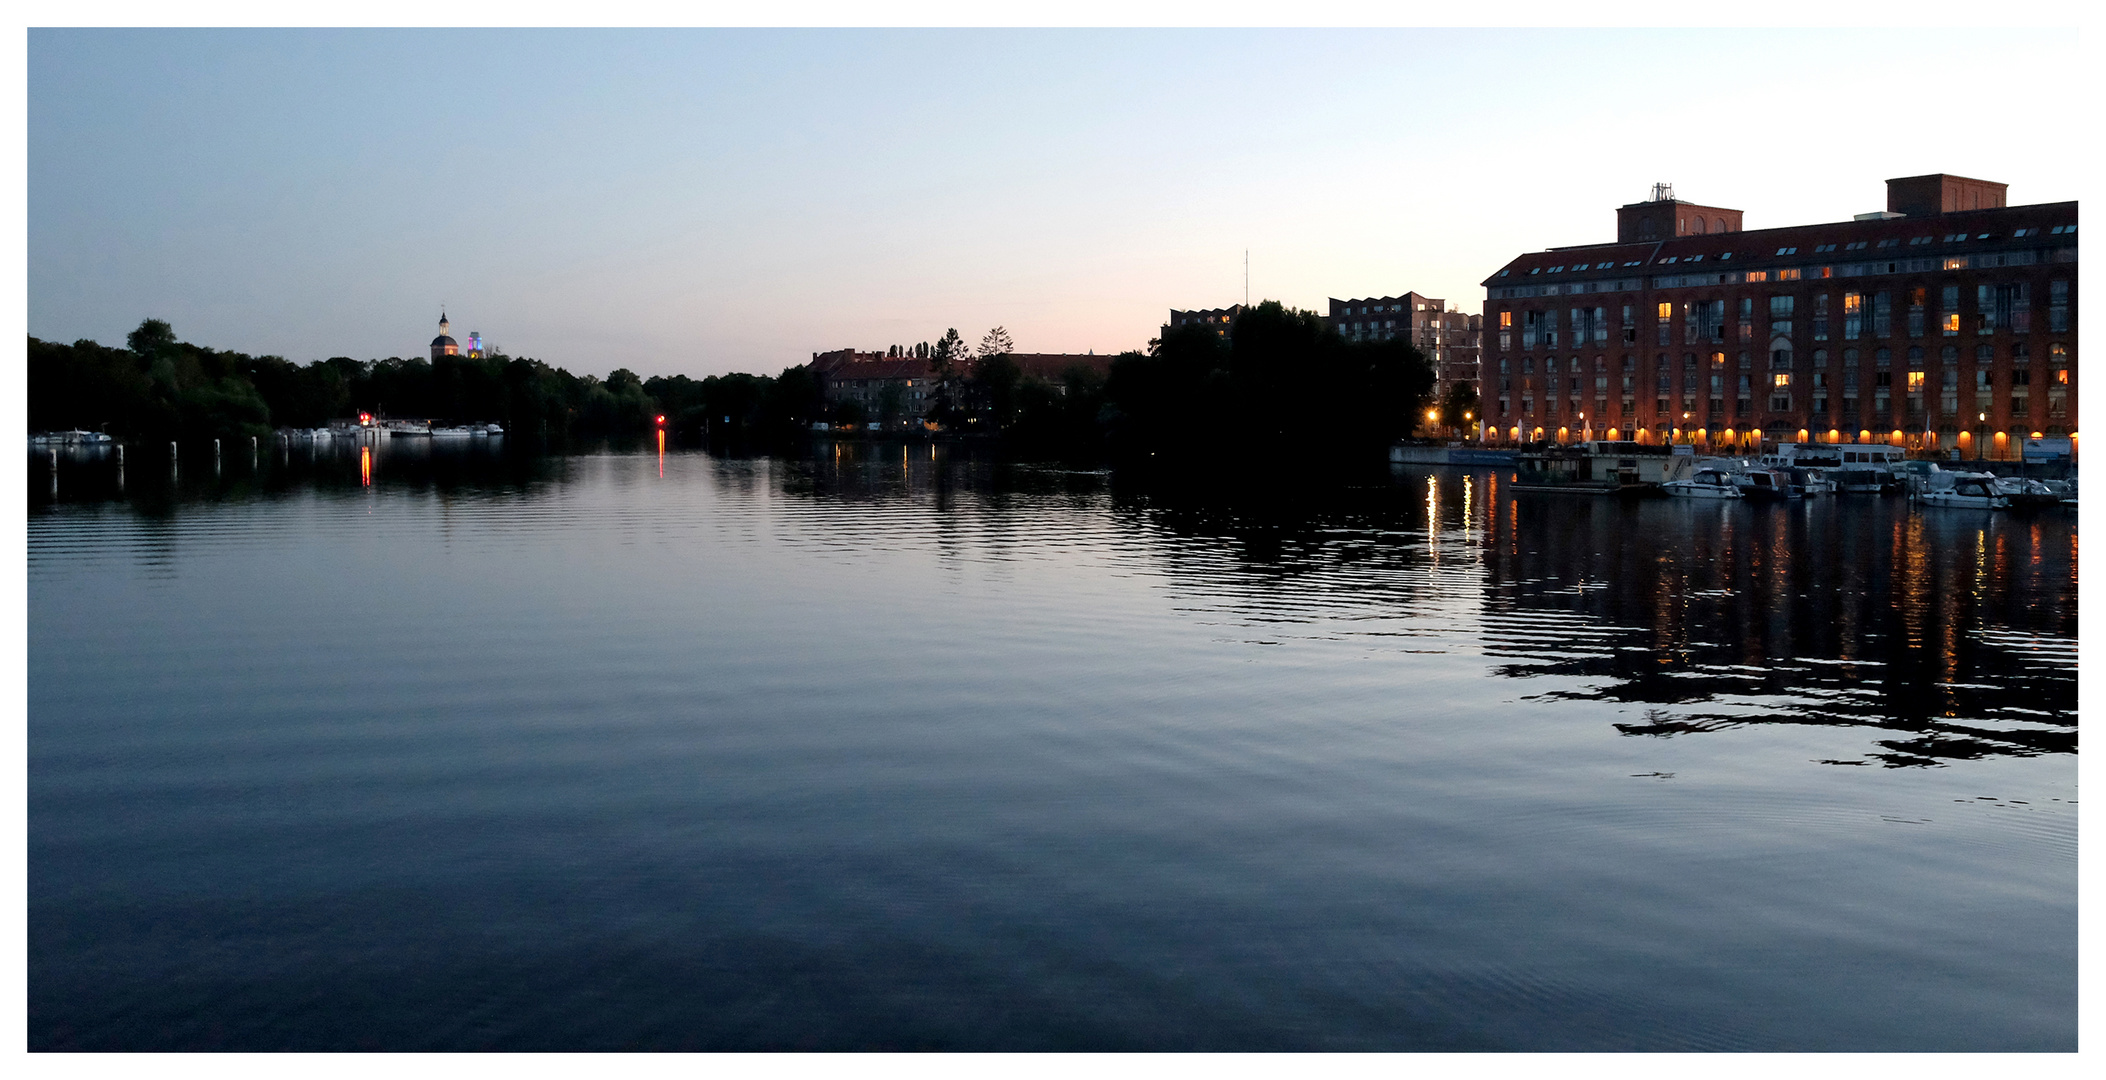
x,y
703,201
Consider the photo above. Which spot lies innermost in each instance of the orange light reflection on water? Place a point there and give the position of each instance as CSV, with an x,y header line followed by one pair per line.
x,y
661,450
365,466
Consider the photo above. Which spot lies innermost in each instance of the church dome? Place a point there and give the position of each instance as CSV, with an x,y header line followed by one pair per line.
x,y
444,345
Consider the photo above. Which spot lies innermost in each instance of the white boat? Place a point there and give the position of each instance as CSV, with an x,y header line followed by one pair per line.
x,y
1976,491
1755,482
76,437
1704,484
402,429
451,433
2030,494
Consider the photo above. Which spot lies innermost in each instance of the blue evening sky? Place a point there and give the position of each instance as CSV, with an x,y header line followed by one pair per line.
x,y
706,201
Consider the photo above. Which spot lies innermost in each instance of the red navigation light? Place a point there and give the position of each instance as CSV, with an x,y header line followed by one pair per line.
x,y
661,419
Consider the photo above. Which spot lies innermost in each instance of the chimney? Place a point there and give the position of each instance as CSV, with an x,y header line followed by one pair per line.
x,y
1942,193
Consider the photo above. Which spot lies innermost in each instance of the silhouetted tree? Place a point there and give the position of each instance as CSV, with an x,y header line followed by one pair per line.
x,y
1281,383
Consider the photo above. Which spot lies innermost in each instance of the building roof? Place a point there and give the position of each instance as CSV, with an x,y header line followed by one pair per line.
x,y
849,364
442,339
1957,233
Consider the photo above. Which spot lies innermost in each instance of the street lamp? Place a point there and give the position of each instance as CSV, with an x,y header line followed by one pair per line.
x,y
1981,420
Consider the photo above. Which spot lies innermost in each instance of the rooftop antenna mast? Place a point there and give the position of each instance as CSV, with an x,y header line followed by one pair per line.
x,y
1663,192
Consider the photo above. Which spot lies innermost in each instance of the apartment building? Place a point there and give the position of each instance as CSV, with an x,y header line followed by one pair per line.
x,y
1946,321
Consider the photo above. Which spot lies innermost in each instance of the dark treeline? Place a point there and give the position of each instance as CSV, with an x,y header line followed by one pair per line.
x,y
160,388
1280,383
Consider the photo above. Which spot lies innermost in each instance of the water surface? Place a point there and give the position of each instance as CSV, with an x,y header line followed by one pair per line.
x,y
882,748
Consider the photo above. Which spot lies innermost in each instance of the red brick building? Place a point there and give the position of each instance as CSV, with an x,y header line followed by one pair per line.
x,y
1949,320
901,385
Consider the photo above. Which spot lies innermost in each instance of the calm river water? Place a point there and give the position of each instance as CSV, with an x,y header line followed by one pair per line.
x,y
886,749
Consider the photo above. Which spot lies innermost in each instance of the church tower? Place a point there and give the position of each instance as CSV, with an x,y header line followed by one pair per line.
x,y
443,345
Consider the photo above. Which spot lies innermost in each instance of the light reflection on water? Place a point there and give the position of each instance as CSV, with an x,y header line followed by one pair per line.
x,y
892,747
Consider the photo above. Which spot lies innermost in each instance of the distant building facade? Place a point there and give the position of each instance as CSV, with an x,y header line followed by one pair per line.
x,y
1947,321
1219,319
1448,337
902,386
898,390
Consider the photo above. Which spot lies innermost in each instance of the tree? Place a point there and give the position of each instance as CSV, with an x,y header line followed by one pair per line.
x,y
891,403
1282,384
948,361
991,392
152,340
794,399
996,343
1460,406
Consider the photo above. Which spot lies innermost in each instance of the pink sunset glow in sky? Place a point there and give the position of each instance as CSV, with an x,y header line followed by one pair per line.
x,y
709,201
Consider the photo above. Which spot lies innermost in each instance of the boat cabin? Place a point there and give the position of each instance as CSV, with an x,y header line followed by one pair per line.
x,y
1604,463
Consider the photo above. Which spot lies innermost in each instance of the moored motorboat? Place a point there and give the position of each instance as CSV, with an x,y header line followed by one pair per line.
x,y
1764,485
1811,481
1862,480
1972,491
2028,494
1704,484
75,437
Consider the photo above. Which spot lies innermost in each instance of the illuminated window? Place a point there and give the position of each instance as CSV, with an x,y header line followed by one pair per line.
x,y
1782,378
1506,319
1667,311
1758,275
1915,382
1787,275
